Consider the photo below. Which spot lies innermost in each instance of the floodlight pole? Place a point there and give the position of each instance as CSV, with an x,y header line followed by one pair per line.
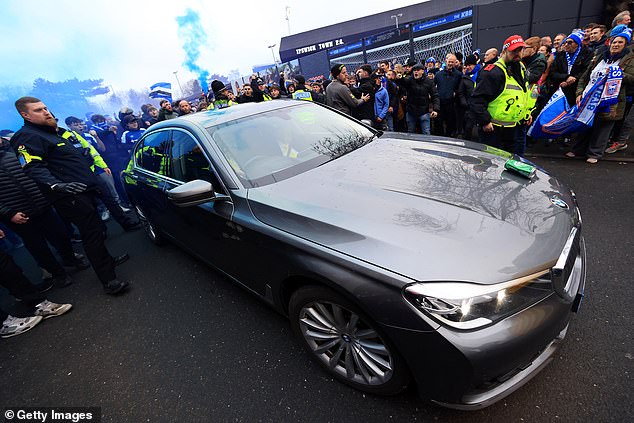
x,y
399,15
273,53
288,20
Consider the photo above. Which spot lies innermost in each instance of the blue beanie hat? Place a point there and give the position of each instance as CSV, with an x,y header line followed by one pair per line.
x,y
617,30
431,59
625,33
576,36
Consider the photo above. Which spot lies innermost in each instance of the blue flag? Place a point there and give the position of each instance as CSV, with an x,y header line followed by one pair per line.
x,y
161,90
557,118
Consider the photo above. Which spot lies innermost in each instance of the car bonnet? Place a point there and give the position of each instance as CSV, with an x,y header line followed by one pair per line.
x,y
425,210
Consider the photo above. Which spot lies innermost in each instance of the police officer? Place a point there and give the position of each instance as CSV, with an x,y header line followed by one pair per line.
x,y
25,210
107,191
65,178
303,93
500,100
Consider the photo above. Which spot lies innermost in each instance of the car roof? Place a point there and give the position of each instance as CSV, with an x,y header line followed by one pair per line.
x,y
216,117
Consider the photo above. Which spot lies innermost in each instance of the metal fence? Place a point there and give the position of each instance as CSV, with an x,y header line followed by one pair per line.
x,y
435,45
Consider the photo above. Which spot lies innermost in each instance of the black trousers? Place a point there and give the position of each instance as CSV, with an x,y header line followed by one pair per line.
x,y
80,210
447,117
35,234
113,206
12,278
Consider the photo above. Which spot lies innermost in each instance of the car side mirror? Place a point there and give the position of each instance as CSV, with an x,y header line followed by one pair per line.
x,y
191,193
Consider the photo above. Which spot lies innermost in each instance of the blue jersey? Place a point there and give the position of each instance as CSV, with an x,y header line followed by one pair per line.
x,y
128,138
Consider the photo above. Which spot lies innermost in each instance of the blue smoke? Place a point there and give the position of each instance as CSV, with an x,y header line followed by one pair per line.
x,y
193,35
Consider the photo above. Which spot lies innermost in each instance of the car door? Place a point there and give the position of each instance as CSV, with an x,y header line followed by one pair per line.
x,y
146,182
205,229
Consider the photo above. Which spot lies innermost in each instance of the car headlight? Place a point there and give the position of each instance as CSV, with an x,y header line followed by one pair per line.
x,y
468,306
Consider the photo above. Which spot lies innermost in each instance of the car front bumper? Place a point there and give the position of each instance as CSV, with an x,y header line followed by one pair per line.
x,y
470,370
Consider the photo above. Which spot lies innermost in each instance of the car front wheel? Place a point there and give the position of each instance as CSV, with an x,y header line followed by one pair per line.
x,y
345,342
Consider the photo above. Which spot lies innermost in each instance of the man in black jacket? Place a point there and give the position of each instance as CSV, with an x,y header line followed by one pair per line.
x,y
421,97
365,86
465,122
24,210
569,65
66,180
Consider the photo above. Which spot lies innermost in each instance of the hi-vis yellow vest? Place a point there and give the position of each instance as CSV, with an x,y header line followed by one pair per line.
x,y
512,105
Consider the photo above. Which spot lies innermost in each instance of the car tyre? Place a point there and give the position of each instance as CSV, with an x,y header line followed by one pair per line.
x,y
345,342
150,229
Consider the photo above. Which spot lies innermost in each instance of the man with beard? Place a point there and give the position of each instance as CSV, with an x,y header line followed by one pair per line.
x,y
66,180
166,111
499,100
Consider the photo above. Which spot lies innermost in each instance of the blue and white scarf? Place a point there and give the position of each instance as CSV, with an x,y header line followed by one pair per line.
x,y
571,59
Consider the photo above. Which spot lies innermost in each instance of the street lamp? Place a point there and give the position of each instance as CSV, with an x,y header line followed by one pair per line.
x,y
400,15
179,82
273,53
288,21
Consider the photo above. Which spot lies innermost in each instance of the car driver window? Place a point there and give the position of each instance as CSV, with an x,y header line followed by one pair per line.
x,y
152,153
189,161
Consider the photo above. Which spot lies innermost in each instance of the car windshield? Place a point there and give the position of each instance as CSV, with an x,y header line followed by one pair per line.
x,y
278,144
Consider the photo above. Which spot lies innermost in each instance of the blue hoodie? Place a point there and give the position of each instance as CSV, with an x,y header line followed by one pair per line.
x,y
381,103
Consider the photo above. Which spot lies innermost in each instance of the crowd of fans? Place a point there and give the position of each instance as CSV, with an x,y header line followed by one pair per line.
x,y
491,98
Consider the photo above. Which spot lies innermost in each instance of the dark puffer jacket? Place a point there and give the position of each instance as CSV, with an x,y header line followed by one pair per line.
x,y
18,192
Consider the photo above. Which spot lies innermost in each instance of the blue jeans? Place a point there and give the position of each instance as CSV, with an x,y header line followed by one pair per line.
x,y
413,120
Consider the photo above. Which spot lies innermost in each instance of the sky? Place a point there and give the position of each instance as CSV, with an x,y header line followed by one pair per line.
x,y
135,43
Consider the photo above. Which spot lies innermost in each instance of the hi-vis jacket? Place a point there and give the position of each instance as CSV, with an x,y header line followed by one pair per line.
x,y
49,159
502,95
87,150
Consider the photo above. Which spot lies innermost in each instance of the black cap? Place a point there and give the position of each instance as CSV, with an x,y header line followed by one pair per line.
x,y
410,62
128,119
418,66
300,79
471,60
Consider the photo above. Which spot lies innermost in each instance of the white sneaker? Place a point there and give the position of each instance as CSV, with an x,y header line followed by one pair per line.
x,y
47,309
13,326
105,215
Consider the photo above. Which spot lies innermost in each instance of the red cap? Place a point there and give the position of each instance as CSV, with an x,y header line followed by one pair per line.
x,y
513,42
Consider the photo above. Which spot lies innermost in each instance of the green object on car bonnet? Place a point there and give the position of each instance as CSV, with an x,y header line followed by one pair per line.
x,y
521,168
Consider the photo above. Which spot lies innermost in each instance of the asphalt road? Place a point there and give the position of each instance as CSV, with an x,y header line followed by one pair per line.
x,y
186,345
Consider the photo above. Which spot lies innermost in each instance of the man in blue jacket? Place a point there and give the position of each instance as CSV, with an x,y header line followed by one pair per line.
x,y
381,102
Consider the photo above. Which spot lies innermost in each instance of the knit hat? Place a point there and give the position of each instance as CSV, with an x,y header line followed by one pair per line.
x,y
576,36
430,60
617,30
625,33
336,70
217,86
